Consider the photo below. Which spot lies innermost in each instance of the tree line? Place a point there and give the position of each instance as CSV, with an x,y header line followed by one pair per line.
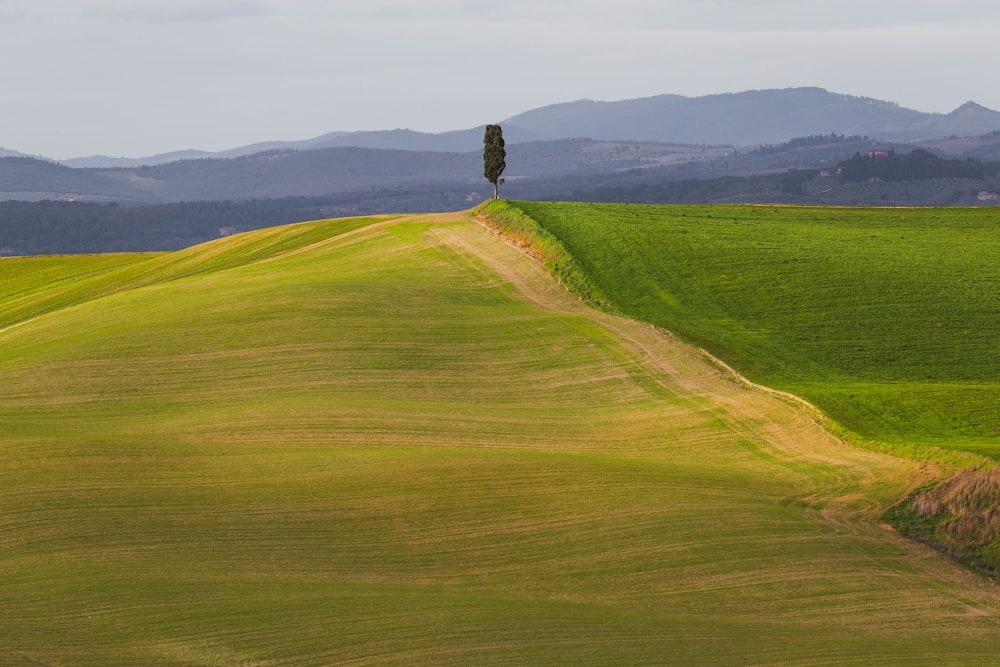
x,y
919,165
811,140
63,227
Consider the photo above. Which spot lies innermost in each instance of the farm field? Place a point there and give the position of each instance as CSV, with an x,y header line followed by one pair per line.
x,y
399,441
887,319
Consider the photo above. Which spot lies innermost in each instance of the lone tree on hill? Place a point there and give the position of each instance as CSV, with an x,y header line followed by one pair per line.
x,y
494,155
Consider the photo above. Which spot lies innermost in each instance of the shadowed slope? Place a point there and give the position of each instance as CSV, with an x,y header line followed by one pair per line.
x,y
399,442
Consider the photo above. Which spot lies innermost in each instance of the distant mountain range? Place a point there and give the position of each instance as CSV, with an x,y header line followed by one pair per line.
x,y
553,151
752,118
772,146
748,118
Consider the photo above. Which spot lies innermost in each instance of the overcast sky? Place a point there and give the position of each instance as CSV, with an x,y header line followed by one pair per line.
x,y
138,77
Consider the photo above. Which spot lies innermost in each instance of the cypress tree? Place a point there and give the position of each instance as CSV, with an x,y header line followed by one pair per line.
x,y
494,156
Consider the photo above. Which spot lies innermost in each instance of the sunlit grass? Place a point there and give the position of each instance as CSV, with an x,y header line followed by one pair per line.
x,y
398,442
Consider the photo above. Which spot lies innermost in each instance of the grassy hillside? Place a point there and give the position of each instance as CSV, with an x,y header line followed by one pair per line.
x,y
887,319
396,441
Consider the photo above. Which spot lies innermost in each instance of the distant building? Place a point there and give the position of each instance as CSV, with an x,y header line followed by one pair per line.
x,y
878,152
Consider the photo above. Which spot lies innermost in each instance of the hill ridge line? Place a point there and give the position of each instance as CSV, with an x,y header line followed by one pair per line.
x,y
711,358
606,320
932,468
693,370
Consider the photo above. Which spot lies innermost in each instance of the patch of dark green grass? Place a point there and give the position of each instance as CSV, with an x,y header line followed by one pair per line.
x,y
887,319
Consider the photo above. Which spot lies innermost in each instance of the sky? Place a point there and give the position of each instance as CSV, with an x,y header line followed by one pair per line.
x,y
133,78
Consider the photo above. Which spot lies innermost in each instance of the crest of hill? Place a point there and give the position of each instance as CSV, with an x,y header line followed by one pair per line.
x,y
750,118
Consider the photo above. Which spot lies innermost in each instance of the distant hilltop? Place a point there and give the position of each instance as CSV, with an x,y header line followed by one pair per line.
x,y
751,118
559,151
748,118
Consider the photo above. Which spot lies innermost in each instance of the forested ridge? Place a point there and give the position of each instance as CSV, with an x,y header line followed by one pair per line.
x,y
61,227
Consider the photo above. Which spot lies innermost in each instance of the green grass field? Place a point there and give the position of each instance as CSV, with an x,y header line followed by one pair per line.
x,y
397,442
887,319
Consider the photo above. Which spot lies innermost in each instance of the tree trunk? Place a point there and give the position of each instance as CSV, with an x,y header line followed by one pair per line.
x,y
496,195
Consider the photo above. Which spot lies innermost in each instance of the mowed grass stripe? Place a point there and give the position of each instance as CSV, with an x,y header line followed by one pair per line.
x,y
383,450
34,286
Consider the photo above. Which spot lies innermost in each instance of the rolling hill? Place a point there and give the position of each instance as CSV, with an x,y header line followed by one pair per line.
x,y
886,319
400,441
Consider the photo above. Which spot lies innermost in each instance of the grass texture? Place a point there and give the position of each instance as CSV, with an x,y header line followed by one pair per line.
x,y
887,319
397,442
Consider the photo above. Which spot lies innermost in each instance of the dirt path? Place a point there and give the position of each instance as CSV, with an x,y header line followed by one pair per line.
x,y
844,487
784,427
